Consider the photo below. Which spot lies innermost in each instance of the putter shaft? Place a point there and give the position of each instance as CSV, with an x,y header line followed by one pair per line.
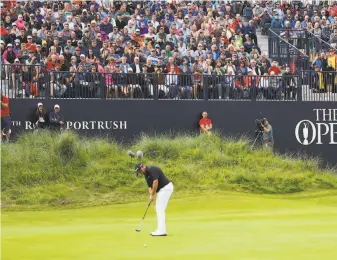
x,y
141,222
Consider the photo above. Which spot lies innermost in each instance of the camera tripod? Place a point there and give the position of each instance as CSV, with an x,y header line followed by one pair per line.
x,y
259,135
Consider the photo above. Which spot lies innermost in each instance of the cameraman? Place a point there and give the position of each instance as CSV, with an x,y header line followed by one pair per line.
x,y
267,138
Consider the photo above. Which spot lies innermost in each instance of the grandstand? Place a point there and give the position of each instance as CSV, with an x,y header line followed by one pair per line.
x,y
224,50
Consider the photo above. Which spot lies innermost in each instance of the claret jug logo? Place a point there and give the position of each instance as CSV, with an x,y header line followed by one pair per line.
x,y
321,131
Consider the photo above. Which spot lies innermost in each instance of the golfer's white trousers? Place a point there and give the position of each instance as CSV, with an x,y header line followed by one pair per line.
x,y
163,197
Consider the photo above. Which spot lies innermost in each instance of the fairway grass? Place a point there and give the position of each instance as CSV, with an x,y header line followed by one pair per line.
x,y
219,226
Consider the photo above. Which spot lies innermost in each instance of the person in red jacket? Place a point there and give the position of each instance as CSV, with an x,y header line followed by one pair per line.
x,y
5,116
275,68
205,124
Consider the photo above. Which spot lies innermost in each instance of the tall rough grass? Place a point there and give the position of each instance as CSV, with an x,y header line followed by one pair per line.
x,y
42,168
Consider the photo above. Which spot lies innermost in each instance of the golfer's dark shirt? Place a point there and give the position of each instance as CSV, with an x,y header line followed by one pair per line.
x,y
155,173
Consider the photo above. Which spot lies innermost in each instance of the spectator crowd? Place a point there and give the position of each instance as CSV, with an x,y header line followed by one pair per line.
x,y
73,47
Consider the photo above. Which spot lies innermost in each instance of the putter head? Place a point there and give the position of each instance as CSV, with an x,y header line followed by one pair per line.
x,y
138,230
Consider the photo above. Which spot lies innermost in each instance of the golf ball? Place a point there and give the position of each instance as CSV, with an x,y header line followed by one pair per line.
x,y
144,245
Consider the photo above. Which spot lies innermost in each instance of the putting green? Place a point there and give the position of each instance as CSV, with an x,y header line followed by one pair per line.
x,y
228,226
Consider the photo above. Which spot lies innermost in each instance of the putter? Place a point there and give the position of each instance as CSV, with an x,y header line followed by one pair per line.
x,y
141,222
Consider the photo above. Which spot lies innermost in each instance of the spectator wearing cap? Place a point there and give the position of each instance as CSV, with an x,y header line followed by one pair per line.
x,y
141,20
56,119
30,45
9,57
84,63
17,45
154,56
14,30
106,26
40,117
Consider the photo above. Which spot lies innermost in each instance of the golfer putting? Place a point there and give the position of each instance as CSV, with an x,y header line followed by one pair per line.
x,y
161,187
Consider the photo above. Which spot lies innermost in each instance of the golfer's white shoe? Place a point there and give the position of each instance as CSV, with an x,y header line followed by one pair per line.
x,y
158,234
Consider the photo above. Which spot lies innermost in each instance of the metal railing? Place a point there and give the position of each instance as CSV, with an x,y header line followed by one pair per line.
x,y
305,85
282,50
303,40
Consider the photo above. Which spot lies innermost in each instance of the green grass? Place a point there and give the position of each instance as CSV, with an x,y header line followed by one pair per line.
x,y
229,225
42,169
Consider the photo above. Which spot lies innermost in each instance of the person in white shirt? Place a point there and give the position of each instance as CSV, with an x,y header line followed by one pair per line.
x,y
136,67
182,47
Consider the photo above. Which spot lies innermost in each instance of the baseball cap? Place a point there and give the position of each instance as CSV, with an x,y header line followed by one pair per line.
x,y
39,104
138,167
56,106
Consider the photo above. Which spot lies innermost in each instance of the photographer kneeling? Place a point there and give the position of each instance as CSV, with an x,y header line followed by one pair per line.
x,y
267,138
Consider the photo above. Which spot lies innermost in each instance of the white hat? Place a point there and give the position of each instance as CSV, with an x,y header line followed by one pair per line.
x,y
16,60
39,104
56,106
